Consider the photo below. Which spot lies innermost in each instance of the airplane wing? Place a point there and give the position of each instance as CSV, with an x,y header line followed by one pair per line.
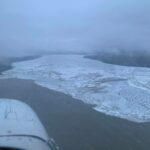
x,y
21,128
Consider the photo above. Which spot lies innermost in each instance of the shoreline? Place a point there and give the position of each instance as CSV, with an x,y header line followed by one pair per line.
x,y
6,63
122,60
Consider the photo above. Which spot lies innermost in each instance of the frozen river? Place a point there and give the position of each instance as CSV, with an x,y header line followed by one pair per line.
x,y
73,123
114,90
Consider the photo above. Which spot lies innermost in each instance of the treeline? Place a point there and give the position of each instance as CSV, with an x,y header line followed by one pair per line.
x,y
123,57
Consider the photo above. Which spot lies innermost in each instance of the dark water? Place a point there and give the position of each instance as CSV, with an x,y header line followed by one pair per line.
x,y
75,125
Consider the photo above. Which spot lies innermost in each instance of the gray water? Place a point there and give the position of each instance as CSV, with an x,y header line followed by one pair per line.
x,y
75,125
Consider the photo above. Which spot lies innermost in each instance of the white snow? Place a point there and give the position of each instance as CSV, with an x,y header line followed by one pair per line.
x,y
114,90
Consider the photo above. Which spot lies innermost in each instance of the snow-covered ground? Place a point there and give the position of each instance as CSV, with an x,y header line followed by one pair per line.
x,y
114,90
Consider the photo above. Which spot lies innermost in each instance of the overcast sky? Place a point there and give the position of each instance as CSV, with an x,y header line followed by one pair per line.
x,y
73,25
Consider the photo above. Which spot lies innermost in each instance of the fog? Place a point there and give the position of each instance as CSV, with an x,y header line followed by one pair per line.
x,y
79,26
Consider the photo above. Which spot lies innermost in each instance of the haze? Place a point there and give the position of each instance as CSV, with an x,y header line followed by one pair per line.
x,y
79,26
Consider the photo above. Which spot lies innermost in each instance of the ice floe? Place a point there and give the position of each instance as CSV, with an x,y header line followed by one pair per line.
x,y
114,90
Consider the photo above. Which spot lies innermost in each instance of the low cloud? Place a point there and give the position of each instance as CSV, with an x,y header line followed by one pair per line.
x,y
81,26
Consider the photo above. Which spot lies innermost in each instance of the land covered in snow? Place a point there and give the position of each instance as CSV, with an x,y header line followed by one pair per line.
x,y
114,90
